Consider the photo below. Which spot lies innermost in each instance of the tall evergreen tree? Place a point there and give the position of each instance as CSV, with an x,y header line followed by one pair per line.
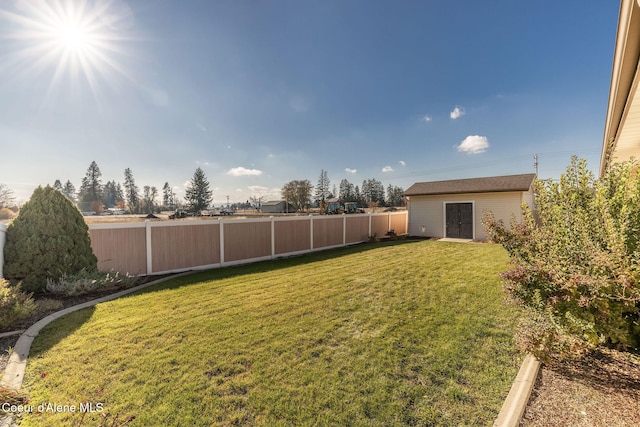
x,y
322,192
394,195
198,194
346,191
90,194
57,185
69,190
168,196
131,191
373,191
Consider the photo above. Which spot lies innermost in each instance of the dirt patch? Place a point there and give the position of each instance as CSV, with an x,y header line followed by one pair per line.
x,y
600,389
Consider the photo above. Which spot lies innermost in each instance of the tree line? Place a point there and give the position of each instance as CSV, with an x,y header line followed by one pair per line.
x,y
94,196
301,194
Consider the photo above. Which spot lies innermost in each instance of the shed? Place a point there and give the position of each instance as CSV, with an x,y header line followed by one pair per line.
x,y
455,208
276,206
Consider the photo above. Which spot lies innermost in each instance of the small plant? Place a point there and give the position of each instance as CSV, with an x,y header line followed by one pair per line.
x,y
89,281
373,239
14,304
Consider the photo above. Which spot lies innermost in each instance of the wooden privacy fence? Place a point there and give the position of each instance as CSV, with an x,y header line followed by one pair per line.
x,y
162,247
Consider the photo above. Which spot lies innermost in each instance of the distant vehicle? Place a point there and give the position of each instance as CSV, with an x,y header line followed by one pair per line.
x,y
226,212
334,207
178,214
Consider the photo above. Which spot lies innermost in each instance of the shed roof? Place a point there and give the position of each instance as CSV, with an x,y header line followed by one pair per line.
x,y
492,184
272,203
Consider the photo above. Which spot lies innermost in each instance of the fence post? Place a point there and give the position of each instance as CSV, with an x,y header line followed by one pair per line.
x,y
344,230
389,226
147,226
221,241
273,237
3,238
311,225
369,224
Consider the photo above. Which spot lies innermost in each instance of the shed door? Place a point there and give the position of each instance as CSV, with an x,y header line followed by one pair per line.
x,y
459,220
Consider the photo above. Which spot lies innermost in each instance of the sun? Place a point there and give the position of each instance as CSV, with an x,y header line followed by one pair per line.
x,y
72,37
74,40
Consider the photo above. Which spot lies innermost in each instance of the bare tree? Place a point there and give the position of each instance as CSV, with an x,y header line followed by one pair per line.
x,y
297,194
7,198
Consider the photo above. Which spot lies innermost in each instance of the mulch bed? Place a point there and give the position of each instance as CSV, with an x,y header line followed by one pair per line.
x,y
600,389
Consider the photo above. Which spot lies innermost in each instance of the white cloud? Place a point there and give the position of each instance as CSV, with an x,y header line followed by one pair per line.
x,y
258,189
240,171
456,112
351,171
402,163
426,119
387,169
474,144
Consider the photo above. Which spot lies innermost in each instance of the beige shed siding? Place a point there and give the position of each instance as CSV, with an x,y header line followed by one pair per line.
x,y
426,213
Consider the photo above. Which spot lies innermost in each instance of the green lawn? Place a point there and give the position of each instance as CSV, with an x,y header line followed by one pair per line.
x,y
411,333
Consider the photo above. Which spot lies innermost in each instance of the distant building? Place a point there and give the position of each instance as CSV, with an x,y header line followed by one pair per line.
x,y
276,206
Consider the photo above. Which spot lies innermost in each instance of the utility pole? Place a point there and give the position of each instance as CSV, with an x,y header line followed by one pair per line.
x,y
535,163
227,202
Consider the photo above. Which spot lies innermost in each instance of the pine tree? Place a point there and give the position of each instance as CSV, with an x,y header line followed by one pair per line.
x,y
57,185
198,196
90,194
49,238
322,189
69,190
131,191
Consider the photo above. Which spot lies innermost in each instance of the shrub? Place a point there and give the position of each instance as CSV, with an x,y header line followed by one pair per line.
x,y
576,262
89,281
14,304
49,238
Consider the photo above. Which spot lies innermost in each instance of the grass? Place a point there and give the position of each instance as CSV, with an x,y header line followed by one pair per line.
x,y
379,335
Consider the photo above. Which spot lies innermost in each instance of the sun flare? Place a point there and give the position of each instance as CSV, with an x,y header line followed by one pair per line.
x,y
73,40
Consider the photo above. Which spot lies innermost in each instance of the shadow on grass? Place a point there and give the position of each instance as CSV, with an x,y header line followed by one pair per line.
x,y
59,329
269,265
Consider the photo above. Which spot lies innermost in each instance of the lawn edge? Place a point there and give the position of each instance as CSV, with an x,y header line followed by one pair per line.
x,y
514,405
17,364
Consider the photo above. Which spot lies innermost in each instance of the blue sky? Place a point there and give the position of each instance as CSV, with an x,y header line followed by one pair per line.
x,y
258,93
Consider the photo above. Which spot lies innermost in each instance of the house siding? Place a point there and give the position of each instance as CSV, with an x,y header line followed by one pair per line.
x,y
427,214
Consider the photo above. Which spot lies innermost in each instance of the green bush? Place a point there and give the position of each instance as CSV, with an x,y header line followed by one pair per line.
x,y
89,281
576,262
14,304
47,239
